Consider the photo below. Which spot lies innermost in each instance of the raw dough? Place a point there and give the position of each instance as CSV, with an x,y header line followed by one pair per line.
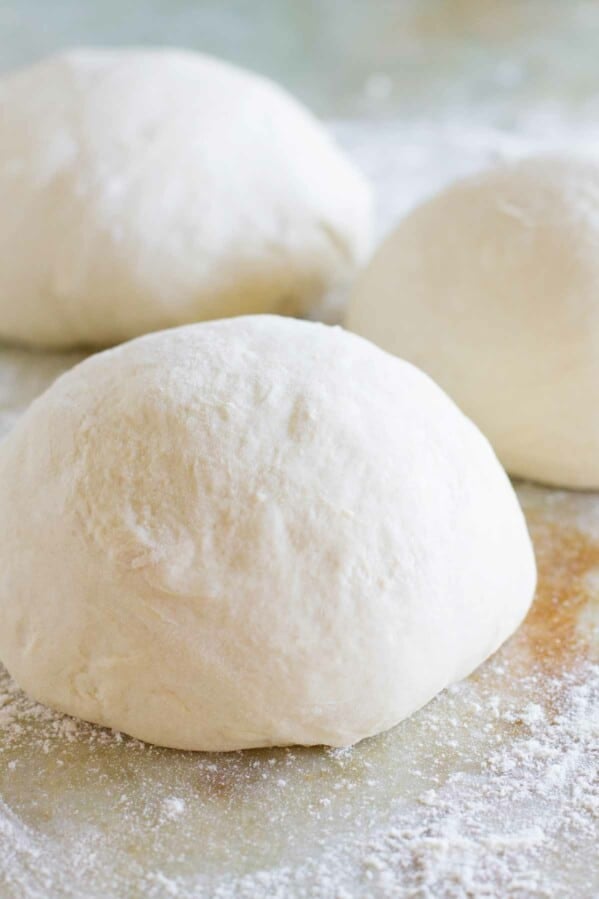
x,y
492,287
252,532
147,188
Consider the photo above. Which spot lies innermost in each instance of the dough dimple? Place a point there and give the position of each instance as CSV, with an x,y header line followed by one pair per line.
x,y
252,532
149,188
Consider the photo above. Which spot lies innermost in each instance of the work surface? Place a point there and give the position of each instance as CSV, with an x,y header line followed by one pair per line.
x,y
491,790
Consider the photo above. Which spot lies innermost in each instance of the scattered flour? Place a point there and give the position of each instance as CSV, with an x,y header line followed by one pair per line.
x,y
515,826
491,791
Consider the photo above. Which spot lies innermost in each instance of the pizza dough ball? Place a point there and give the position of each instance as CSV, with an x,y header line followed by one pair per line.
x,y
492,287
252,532
142,189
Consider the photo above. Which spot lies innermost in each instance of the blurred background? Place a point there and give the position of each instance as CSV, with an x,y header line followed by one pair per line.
x,y
418,92
498,61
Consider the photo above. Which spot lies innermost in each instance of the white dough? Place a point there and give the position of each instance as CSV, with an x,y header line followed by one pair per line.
x,y
252,532
492,287
141,189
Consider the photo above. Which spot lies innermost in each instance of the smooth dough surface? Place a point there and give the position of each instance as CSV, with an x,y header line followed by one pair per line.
x,y
142,189
252,532
492,288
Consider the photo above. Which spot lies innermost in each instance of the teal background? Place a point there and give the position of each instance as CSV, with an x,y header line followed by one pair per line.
x,y
497,59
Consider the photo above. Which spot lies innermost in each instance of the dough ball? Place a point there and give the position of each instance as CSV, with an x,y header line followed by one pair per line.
x,y
252,532
492,287
142,189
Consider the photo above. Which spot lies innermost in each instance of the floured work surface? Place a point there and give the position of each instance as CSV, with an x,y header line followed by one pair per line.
x,y
491,790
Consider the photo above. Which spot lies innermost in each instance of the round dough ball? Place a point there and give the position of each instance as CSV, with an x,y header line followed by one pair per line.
x,y
492,287
252,532
142,189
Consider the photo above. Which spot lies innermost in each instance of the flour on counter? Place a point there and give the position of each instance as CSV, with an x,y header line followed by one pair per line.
x,y
507,830
490,791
